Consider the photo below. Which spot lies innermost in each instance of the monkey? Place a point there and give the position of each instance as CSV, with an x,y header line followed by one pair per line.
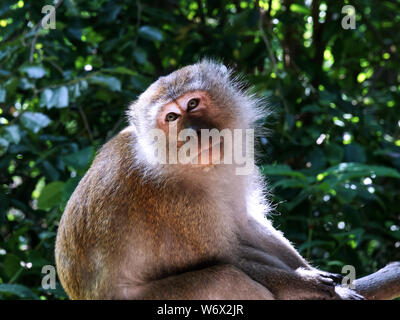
x,y
136,228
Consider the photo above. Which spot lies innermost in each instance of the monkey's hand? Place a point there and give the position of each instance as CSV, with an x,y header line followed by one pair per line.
x,y
324,285
314,284
336,278
342,293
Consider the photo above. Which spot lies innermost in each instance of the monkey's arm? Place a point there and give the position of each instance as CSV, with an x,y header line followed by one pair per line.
x,y
265,238
278,262
224,282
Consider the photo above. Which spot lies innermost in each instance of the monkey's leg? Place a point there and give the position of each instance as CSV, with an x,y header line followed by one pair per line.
x,y
218,282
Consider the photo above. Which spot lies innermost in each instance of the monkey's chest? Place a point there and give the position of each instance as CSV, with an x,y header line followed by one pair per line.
x,y
193,238
180,243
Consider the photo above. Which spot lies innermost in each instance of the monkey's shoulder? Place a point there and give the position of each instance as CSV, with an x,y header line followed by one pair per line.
x,y
118,152
102,204
111,178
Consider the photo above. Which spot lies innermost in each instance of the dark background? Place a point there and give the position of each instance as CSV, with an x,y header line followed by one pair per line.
x,y
333,156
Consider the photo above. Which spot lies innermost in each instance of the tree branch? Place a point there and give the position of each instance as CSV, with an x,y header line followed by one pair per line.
x,y
271,55
86,123
381,285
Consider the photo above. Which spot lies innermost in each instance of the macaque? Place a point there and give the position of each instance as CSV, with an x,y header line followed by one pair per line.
x,y
140,228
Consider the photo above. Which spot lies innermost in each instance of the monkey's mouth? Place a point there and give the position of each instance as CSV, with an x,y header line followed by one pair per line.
x,y
211,153
200,152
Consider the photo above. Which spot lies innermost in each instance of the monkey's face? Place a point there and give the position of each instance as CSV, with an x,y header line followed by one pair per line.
x,y
189,123
180,112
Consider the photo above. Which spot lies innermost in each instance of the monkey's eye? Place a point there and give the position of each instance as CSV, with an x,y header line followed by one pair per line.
x,y
172,116
193,103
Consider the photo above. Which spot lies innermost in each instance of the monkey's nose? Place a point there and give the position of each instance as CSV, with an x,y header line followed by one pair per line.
x,y
197,126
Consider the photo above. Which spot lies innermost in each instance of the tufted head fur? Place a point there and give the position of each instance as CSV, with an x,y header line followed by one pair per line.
x,y
208,75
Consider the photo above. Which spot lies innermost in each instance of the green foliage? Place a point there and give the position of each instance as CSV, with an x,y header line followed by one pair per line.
x,y
17,290
332,159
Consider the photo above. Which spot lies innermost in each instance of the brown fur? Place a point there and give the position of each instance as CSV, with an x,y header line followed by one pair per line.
x,y
112,213
135,230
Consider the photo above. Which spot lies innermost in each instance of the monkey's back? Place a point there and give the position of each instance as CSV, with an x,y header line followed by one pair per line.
x,y
119,229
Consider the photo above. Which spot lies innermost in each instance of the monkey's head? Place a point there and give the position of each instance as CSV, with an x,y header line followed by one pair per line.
x,y
198,97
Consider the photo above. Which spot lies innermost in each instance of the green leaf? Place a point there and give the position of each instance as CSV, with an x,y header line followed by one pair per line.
x,y
49,171
3,145
281,170
303,195
351,170
25,84
289,183
45,98
111,82
140,55
79,160
37,259
34,121
11,264
299,9
12,134
140,82
3,94
50,195
72,7
151,33
122,70
18,290
69,188
5,6
4,73
237,22
313,108
54,98
345,195
47,235
335,263
60,97
316,243
35,72
11,86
